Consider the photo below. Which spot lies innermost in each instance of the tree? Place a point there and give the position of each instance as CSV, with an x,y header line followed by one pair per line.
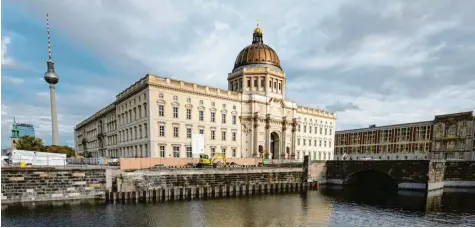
x,y
31,143
60,150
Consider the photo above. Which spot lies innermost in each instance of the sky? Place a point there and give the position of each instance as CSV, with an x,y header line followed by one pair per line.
x,y
370,61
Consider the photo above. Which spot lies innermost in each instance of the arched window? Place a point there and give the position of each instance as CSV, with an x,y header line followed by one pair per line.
x,y
145,129
140,130
140,111
135,132
135,113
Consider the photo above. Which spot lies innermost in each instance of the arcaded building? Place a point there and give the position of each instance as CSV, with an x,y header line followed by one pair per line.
x,y
448,136
157,116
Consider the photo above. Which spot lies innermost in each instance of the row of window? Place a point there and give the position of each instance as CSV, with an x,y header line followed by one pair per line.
x,y
133,133
189,116
236,85
133,114
315,142
136,151
126,105
328,131
394,148
176,132
177,152
188,100
315,155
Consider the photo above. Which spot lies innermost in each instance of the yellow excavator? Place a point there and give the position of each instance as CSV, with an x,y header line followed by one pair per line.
x,y
205,161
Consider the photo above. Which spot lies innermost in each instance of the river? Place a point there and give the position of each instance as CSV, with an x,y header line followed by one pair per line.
x,y
316,208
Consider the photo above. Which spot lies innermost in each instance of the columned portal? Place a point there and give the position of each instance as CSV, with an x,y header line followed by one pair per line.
x,y
274,145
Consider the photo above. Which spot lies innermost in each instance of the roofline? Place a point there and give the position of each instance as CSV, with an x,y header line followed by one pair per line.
x,y
386,126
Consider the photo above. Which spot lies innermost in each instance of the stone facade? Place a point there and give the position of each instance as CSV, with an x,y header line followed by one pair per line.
x,y
448,137
157,116
24,185
147,180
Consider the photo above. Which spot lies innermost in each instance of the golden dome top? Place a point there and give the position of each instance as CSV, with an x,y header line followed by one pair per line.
x,y
258,29
257,54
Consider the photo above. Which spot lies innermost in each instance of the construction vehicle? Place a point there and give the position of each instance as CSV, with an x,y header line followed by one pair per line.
x,y
205,161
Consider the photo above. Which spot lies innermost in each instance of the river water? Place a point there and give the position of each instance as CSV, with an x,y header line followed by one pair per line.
x,y
315,208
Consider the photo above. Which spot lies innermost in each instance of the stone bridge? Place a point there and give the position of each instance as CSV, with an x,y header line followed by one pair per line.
x,y
406,174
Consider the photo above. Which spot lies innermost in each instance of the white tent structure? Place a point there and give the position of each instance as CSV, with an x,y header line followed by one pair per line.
x,y
37,158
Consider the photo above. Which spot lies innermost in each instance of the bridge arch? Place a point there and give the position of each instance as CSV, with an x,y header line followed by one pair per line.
x,y
371,181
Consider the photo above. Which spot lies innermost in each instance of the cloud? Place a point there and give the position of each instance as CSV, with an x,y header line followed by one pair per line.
x,y
7,61
341,107
383,62
12,80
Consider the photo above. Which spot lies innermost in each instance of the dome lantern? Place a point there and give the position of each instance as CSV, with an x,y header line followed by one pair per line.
x,y
257,54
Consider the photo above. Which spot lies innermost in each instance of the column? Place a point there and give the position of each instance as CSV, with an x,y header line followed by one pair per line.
x,y
294,136
267,139
256,132
284,131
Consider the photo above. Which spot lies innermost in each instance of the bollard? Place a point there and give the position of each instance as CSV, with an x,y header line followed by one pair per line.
x,y
200,192
216,192
224,191
166,194
192,192
250,188
244,190
238,190
231,190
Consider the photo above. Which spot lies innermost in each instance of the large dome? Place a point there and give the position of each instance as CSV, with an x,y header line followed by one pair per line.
x,y
257,54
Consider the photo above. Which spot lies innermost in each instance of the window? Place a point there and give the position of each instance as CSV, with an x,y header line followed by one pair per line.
x,y
223,151
298,142
248,83
162,151
299,128
213,116
176,151
270,84
234,107
320,130
188,100
325,131
140,131
330,131
234,119
201,102
275,85
175,112
212,104
255,83
201,115
234,152
213,134
188,114
304,142
315,142
161,110
188,133
279,86
160,95
224,105
320,143
325,144
175,98
262,83
175,132
213,151
234,136
304,128
223,118
161,130
188,152
309,129
223,136
316,130
146,130
202,131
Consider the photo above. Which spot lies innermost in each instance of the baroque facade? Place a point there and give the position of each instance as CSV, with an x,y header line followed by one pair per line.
x,y
448,136
157,116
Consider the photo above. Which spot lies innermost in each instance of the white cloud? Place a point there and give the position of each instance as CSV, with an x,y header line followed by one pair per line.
x,y
7,60
12,80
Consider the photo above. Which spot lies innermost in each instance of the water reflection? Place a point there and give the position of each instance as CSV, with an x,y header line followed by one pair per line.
x,y
328,207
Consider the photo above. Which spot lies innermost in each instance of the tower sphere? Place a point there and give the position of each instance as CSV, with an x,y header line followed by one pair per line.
x,y
51,77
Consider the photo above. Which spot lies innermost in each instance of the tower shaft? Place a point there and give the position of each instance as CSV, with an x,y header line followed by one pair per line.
x,y
54,117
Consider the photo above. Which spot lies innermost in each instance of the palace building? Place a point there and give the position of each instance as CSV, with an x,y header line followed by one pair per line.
x,y
157,116
450,136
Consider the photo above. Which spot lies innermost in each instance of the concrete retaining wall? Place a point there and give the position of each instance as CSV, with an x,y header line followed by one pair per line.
x,y
45,184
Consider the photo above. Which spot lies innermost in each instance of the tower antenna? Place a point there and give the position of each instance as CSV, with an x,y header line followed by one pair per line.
x,y
50,57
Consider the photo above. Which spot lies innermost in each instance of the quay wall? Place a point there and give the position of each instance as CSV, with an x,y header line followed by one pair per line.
x,y
168,178
145,163
459,174
47,184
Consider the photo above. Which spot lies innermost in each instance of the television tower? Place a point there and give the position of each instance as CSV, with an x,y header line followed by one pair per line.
x,y
52,78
